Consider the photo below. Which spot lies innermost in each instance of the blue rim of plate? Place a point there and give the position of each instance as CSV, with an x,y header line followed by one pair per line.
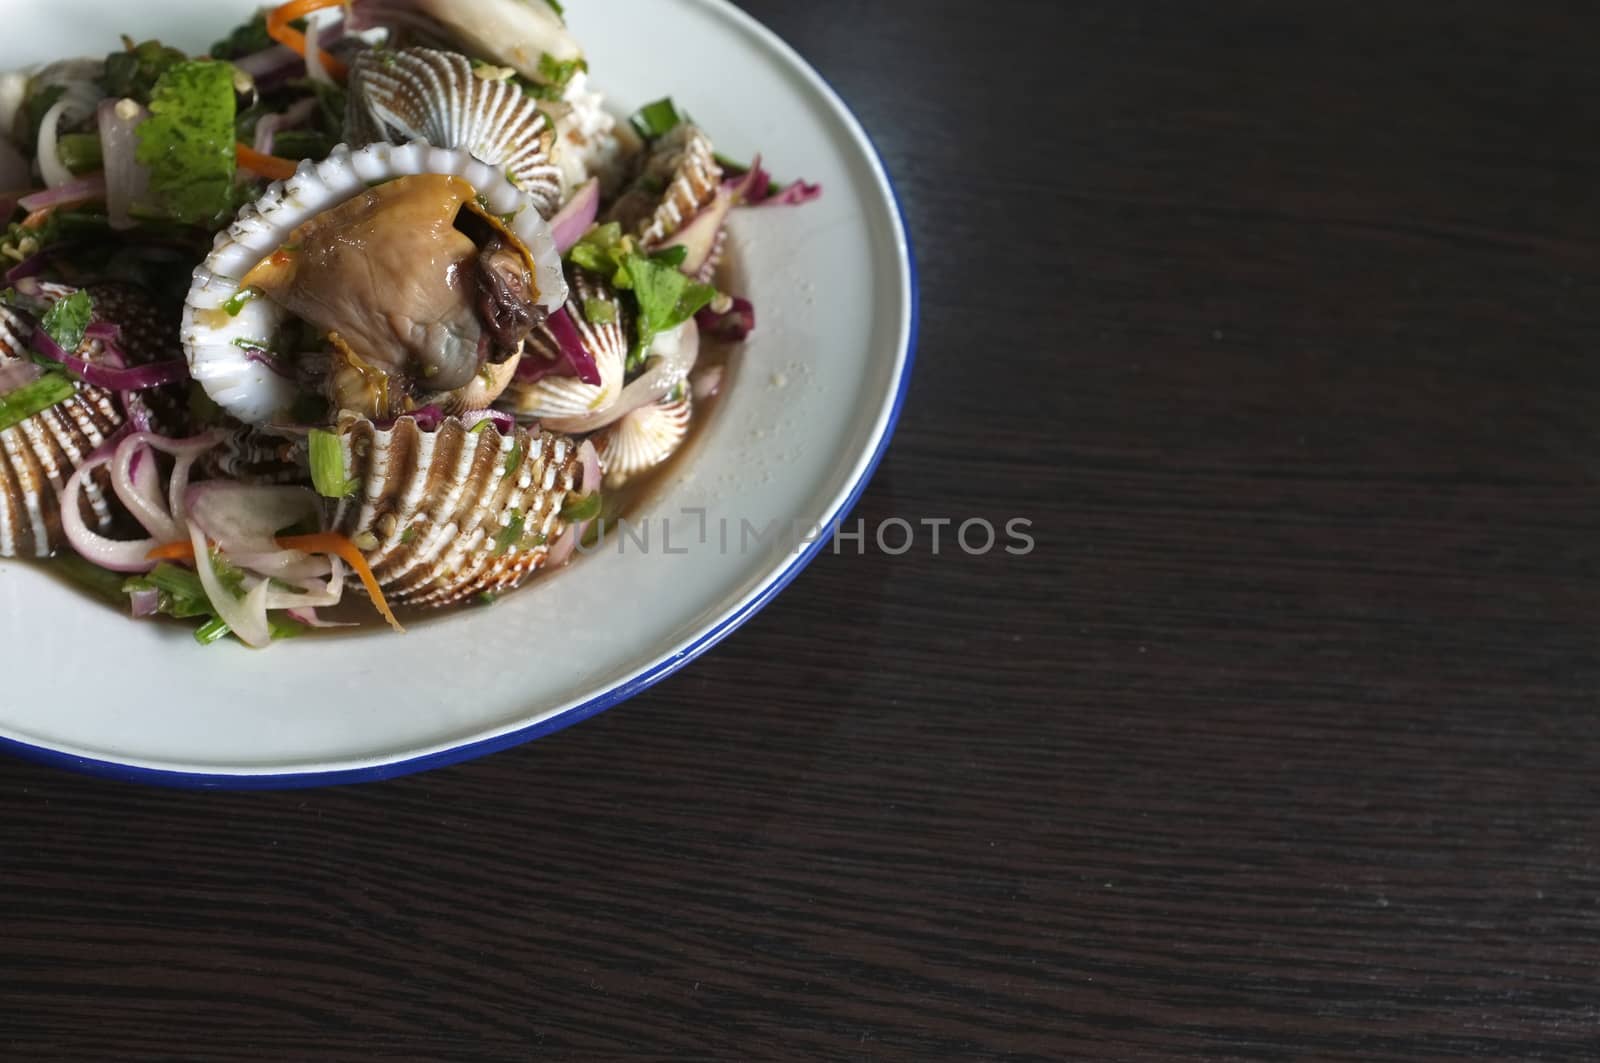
x,y
105,769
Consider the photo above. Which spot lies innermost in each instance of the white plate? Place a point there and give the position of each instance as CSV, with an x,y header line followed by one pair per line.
x,y
808,413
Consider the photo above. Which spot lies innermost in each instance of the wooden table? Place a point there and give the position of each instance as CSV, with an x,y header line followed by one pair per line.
x,y
1279,323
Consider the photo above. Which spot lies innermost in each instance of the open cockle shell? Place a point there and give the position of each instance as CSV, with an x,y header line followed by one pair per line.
x,y
556,399
679,179
220,322
39,455
644,439
424,94
448,515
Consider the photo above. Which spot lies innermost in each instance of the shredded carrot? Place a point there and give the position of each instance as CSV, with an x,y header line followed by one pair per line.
x,y
334,543
278,29
269,166
183,551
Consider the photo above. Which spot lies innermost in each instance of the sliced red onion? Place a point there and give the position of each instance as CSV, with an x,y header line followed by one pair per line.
x,y
244,520
105,331
268,127
274,64
69,193
138,378
30,267
265,358
308,616
114,554
144,603
794,194
589,458
428,418
134,477
561,552
707,383
316,595
51,168
127,181
730,325
247,618
699,236
574,219
576,357
670,368
15,372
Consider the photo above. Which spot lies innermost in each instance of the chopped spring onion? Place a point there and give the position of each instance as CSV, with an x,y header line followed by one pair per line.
x,y
19,405
327,466
599,311
236,304
510,535
657,119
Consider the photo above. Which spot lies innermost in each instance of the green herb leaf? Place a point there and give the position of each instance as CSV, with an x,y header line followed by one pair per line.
x,y
134,71
582,508
188,141
655,120
327,466
68,320
510,535
600,311
666,297
514,458
557,73
555,5
35,397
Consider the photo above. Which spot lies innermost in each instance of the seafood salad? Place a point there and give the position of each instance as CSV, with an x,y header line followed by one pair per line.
x,y
377,295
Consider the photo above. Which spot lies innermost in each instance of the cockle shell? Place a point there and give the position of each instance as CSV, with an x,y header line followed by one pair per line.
x,y
644,439
424,94
39,455
259,456
215,339
435,512
680,178
554,399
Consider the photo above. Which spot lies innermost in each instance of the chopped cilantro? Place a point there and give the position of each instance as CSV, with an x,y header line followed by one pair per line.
x,y
557,73
188,141
134,71
666,298
599,311
510,535
68,320
327,466
34,397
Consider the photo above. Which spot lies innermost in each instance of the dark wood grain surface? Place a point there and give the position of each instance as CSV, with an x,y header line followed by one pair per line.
x,y
1280,322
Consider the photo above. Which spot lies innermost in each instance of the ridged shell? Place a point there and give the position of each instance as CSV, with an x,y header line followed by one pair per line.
x,y
680,179
424,94
39,455
644,439
251,391
432,504
257,456
554,398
